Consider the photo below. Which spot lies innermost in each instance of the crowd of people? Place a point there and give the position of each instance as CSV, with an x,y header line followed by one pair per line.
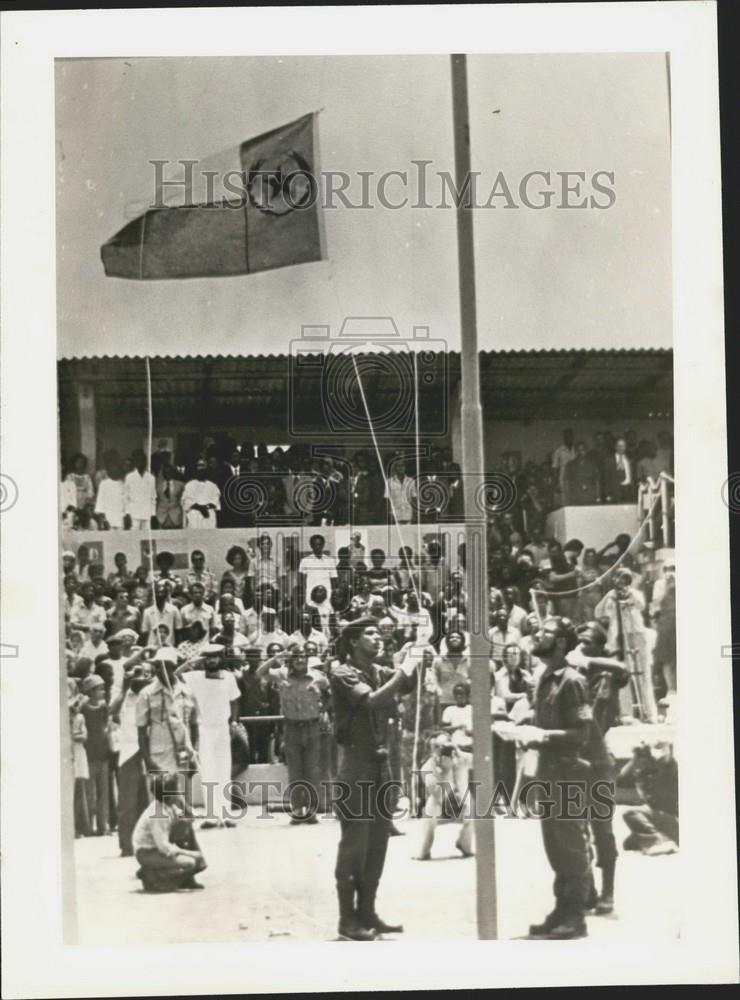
x,y
256,614
239,486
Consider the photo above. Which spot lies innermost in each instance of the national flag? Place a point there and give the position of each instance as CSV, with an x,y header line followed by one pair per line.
x,y
272,219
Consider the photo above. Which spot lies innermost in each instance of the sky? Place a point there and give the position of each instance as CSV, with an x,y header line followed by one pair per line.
x,y
556,277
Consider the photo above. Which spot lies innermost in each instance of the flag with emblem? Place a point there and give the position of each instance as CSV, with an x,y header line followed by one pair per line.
x,y
261,211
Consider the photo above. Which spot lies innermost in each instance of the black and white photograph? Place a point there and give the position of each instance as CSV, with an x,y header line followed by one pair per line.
x,y
367,481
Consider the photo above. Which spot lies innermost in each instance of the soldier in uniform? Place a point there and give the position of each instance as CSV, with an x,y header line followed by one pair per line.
x,y
604,677
363,696
562,728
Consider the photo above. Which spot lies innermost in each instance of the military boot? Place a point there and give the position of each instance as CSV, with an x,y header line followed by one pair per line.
x,y
369,918
605,902
349,924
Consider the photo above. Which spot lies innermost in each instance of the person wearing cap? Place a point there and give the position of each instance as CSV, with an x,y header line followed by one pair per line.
x,y
95,647
303,694
562,727
217,695
362,693
133,795
604,677
95,711
80,769
201,498
167,718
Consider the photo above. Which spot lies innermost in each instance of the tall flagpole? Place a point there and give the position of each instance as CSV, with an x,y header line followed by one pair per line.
x,y
475,526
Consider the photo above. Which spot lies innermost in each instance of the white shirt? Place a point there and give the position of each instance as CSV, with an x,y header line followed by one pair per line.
x,y
319,572
110,501
400,495
204,614
560,458
214,696
200,491
139,495
128,733
622,462
263,570
460,718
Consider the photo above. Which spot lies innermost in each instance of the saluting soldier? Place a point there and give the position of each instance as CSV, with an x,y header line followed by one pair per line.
x,y
604,676
562,721
364,696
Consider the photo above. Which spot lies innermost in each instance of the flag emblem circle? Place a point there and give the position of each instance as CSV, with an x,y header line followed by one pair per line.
x,y
278,185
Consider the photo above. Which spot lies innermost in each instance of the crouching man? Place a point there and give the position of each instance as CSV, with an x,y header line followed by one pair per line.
x,y
164,841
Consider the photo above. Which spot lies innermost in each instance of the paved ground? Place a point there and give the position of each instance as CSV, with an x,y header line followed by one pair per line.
x,y
268,880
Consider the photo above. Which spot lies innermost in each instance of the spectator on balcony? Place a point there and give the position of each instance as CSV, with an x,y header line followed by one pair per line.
x,y
345,571
122,574
140,494
400,492
537,545
664,453
170,488
619,476
109,502
434,572
317,569
581,479
363,492
201,498
84,491
562,455
649,467
378,573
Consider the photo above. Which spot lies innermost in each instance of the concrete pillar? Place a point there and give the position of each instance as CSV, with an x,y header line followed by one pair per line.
x,y
86,407
456,424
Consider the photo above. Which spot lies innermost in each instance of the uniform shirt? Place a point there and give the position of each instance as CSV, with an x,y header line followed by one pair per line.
x,y
139,495
561,702
359,729
167,717
301,696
